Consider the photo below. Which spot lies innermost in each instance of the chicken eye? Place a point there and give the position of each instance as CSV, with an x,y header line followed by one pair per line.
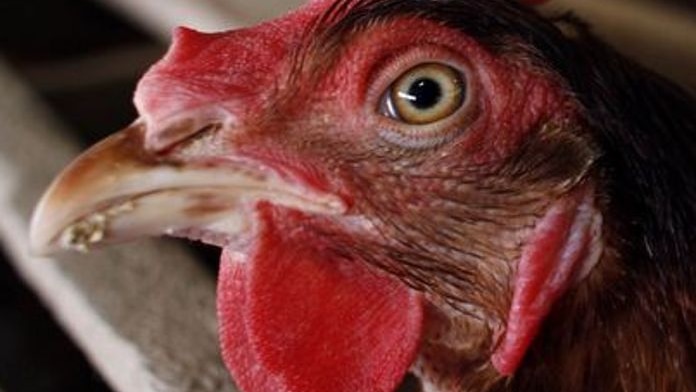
x,y
425,94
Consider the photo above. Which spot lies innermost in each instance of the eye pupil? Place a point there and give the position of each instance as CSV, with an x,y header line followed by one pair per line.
x,y
424,93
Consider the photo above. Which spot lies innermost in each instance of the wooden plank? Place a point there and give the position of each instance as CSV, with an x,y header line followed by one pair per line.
x,y
143,313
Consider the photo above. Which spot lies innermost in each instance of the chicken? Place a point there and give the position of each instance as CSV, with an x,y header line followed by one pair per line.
x,y
459,189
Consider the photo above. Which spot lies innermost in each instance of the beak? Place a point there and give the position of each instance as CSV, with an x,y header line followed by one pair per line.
x,y
118,190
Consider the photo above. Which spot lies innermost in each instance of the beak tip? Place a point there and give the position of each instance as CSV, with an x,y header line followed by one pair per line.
x,y
38,246
41,238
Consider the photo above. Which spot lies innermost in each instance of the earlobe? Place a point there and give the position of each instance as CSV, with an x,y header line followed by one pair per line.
x,y
562,250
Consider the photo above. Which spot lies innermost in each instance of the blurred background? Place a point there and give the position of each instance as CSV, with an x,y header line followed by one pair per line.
x,y
78,62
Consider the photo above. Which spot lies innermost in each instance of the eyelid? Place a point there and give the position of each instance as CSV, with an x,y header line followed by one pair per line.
x,y
389,70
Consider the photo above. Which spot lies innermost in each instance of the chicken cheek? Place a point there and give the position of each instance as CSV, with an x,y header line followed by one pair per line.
x,y
292,320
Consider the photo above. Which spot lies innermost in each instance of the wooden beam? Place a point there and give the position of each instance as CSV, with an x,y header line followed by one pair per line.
x,y
144,314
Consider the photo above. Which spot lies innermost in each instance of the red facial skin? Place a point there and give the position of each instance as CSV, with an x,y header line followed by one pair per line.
x,y
291,120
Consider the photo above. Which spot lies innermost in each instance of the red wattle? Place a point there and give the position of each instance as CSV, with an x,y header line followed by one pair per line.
x,y
234,335
294,319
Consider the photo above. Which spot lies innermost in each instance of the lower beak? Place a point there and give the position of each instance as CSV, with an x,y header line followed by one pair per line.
x,y
117,191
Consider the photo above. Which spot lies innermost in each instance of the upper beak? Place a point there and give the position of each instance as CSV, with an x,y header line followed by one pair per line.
x,y
118,190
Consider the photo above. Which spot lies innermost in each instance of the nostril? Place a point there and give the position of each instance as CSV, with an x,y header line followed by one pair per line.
x,y
187,138
201,144
161,139
162,135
